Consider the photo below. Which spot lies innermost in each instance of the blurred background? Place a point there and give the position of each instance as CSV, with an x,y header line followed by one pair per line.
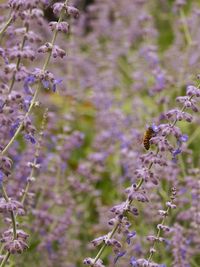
x,y
126,63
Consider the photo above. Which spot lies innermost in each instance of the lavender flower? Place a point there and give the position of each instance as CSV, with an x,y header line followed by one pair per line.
x,y
72,166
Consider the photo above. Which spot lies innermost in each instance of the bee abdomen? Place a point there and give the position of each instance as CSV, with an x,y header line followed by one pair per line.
x,y
146,144
147,136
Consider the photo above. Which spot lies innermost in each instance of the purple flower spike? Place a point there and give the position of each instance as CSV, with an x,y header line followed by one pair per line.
x,y
14,127
56,81
27,102
1,177
192,90
49,248
129,236
184,138
30,138
30,79
46,84
133,262
119,255
175,153
155,127
27,82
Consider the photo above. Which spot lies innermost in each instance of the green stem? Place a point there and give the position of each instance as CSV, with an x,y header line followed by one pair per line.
x,y
193,137
6,257
182,110
4,193
36,156
11,213
194,264
14,225
18,61
53,40
196,132
26,189
182,166
1,249
6,25
4,151
185,28
116,226
104,245
158,235
28,183
140,183
130,201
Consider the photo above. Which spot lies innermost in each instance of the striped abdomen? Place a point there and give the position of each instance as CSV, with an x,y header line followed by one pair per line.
x,y
147,136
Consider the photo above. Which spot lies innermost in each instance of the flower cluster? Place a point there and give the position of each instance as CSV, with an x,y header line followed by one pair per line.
x,y
92,143
20,90
145,174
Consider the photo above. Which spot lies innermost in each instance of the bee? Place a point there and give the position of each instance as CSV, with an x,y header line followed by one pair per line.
x,y
147,137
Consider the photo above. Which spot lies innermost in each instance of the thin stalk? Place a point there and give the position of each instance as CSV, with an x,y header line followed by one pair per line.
x,y
185,28
158,235
6,257
4,193
1,249
182,166
6,25
4,151
18,60
193,137
32,174
184,107
182,110
11,213
194,264
53,40
138,186
28,183
25,192
104,245
111,234
14,225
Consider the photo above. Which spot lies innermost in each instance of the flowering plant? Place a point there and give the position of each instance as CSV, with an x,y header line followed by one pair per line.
x,y
99,112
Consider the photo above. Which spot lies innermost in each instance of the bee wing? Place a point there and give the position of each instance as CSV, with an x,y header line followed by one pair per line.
x,y
141,139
